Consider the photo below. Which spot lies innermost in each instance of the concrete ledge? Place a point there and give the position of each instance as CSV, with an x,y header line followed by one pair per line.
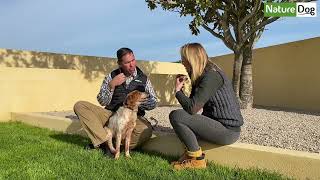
x,y
297,164
65,125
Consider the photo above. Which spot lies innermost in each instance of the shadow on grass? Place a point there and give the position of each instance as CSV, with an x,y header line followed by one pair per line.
x,y
157,154
81,142
72,139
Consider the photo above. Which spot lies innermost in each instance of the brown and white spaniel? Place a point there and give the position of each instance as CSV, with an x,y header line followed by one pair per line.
x,y
123,121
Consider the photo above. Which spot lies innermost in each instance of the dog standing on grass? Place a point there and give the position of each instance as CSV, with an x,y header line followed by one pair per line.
x,y
122,123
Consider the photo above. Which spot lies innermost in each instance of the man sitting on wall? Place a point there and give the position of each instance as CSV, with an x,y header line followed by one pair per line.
x,y
113,91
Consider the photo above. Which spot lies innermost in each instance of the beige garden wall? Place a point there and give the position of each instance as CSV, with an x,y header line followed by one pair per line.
x,y
284,76
37,82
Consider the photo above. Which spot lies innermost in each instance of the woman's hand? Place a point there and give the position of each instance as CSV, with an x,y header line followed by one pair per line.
x,y
180,80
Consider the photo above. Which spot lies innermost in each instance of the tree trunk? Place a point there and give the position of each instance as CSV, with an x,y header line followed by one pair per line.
x,y
246,87
236,73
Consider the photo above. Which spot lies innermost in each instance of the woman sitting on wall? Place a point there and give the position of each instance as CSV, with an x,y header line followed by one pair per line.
x,y
213,95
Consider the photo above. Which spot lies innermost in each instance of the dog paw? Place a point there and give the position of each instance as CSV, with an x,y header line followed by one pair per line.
x,y
116,156
128,156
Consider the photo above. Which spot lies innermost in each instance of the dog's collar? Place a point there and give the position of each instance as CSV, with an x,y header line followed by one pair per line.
x,y
131,108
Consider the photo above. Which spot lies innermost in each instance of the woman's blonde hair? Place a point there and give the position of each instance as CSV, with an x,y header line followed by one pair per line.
x,y
197,57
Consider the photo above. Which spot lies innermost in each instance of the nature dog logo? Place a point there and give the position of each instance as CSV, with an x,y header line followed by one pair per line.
x,y
290,9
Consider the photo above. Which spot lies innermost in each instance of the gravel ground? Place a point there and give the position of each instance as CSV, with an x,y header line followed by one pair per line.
x,y
268,127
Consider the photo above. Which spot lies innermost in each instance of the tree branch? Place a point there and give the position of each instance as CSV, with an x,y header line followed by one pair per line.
x,y
217,35
264,23
163,1
247,17
226,30
212,31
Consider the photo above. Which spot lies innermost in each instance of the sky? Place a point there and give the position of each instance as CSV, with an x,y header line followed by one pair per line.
x,y
101,27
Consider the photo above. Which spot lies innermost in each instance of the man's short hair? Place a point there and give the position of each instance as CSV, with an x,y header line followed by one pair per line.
x,y
123,51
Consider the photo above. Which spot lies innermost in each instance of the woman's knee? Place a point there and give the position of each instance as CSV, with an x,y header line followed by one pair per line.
x,y
176,115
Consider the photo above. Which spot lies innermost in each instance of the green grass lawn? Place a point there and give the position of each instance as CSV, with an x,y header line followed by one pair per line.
x,y
33,153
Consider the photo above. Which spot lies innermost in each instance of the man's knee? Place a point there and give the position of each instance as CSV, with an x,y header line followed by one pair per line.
x,y
141,133
143,130
145,133
78,105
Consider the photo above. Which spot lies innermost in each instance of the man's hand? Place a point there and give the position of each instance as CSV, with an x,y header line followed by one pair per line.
x,y
145,100
117,80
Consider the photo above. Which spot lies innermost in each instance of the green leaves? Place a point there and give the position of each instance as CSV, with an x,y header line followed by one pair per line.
x,y
242,17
